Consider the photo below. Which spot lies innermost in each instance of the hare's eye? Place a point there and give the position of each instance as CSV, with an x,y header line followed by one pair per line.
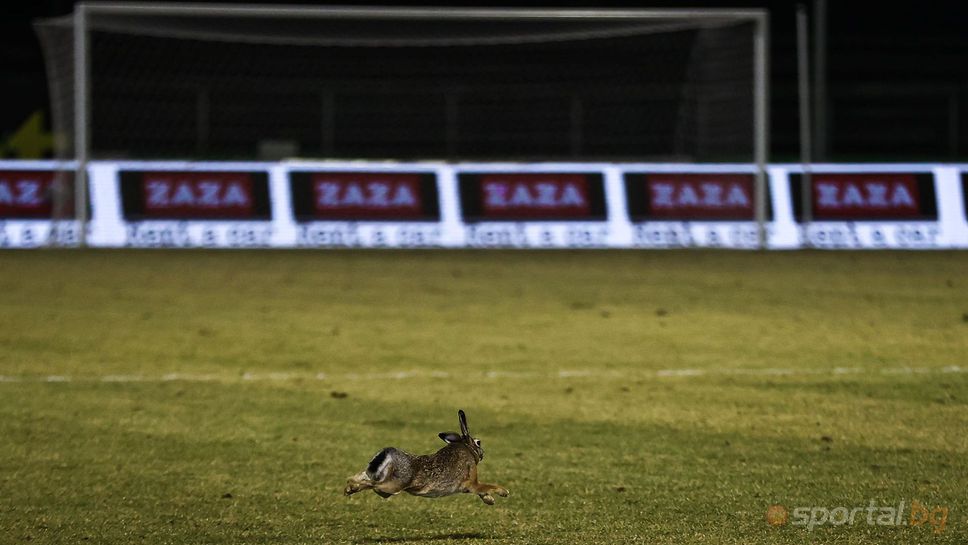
x,y
478,441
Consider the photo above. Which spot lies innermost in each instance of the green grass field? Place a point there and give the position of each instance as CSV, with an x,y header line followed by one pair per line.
x,y
639,397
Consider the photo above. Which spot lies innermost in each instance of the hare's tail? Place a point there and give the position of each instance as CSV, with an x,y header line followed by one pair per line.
x,y
378,467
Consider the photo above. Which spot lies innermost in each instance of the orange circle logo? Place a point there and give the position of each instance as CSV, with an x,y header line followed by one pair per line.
x,y
776,515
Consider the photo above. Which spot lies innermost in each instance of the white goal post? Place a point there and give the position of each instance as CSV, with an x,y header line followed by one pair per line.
x,y
514,25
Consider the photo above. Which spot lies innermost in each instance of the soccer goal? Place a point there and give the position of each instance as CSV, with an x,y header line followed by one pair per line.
x,y
234,82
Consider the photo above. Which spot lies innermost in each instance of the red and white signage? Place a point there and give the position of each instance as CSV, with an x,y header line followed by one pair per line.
x,y
182,195
845,196
690,197
532,196
194,195
366,194
26,194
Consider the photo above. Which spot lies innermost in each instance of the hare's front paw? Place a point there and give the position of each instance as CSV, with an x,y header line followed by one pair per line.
x,y
501,491
486,498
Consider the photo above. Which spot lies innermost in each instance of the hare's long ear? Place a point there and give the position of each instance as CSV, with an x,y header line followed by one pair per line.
x,y
449,437
463,423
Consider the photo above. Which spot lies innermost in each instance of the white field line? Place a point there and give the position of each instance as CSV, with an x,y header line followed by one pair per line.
x,y
562,374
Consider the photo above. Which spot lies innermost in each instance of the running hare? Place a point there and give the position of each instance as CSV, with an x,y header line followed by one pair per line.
x,y
450,470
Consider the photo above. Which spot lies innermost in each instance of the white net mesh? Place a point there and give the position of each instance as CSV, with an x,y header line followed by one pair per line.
x,y
231,84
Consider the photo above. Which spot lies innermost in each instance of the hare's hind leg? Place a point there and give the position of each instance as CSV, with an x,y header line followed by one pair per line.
x,y
358,482
361,481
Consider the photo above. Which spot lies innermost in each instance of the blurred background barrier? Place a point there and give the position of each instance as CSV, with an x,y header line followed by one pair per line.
x,y
327,204
454,128
262,82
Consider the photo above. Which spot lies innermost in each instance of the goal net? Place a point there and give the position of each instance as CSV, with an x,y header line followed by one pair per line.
x,y
235,82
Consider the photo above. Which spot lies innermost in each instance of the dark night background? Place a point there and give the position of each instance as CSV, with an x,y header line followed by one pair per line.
x,y
897,76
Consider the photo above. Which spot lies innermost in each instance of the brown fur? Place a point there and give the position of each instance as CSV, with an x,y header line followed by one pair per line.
x,y
450,470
